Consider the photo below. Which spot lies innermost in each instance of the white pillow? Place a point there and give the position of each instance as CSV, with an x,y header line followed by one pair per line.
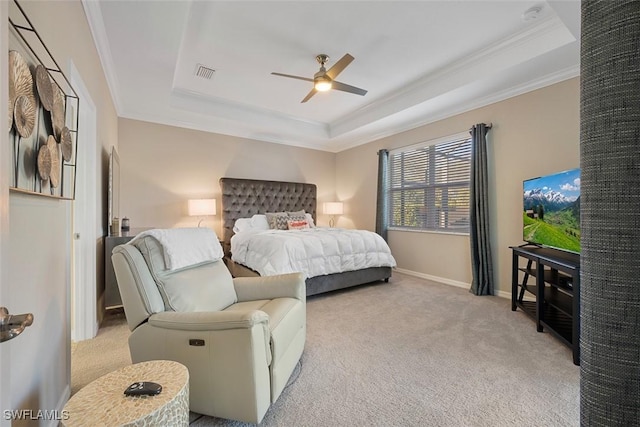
x,y
242,224
255,223
310,220
259,222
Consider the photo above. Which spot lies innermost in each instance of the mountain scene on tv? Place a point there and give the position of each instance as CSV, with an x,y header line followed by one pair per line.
x,y
552,210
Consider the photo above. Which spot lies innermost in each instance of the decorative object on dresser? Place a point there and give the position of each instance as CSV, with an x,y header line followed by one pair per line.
x,y
202,208
114,191
244,198
333,209
554,298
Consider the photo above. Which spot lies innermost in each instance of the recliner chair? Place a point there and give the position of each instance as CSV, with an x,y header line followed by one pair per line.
x,y
240,338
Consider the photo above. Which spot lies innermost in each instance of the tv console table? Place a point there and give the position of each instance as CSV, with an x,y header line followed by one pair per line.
x,y
554,298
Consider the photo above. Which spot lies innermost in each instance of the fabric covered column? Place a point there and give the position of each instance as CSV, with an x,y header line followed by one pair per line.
x,y
610,213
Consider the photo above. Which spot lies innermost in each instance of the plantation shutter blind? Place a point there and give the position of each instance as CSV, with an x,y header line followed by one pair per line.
x,y
429,185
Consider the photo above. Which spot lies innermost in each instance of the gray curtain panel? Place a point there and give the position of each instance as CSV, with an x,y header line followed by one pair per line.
x,y
382,204
479,234
610,213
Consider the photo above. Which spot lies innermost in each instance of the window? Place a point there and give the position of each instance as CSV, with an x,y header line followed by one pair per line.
x,y
429,185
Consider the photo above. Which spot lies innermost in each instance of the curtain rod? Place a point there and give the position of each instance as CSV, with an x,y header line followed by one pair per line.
x,y
488,126
435,141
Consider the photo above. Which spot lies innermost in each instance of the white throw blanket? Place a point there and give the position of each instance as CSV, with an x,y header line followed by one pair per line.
x,y
185,246
313,251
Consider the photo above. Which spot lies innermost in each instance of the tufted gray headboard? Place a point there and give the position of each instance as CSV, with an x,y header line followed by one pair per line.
x,y
243,198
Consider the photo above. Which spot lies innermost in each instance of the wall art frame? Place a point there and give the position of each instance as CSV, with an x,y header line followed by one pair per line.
x,y
43,115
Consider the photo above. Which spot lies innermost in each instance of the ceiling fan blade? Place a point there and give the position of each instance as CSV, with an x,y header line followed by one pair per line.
x,y
339,66
309,95
293,77
347,88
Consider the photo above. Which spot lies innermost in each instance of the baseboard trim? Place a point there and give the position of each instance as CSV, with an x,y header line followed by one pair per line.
x,y
445,281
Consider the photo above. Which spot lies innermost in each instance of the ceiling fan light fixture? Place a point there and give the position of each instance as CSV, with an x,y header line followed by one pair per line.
x,y
322,84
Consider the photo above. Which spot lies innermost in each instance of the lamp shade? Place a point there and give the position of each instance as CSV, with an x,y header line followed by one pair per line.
x,y
332,208
202,207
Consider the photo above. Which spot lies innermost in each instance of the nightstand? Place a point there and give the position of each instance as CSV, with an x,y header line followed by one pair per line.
x,y
112,297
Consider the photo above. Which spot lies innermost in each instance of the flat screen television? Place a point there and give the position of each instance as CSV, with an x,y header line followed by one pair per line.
x,y
551,206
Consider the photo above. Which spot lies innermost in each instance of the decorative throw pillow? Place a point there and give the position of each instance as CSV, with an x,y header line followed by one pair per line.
x,y
277,220
298,215
294,224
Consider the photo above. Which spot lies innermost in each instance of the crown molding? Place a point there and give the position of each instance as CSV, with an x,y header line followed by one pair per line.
x,y
502,54
200,103
222,128
460,108
95,20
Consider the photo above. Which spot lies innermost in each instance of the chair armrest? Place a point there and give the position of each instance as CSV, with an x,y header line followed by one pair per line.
x,y
269,287
209,321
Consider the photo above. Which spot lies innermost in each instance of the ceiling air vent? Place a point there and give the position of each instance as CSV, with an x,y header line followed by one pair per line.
x,y
204,72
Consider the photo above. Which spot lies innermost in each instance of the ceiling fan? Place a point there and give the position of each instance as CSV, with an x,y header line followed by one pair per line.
x,y
324,79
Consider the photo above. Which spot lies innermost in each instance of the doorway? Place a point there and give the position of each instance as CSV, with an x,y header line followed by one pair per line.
x,y
84,319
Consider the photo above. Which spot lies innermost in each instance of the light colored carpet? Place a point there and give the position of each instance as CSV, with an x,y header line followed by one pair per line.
x,y
409,353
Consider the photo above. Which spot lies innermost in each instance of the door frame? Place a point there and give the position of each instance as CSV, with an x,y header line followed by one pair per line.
x,y
5,155
84,316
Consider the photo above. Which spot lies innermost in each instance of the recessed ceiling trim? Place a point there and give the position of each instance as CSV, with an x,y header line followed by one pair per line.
x,y
246,115
231,109
459,108
219,127
507,52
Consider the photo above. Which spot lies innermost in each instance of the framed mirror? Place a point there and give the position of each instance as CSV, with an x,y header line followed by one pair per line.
x,y
114,187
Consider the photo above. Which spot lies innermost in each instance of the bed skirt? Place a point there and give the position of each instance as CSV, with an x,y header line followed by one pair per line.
x,y
330,282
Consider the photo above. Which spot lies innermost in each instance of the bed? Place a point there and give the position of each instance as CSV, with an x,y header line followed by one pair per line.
x,y
243,198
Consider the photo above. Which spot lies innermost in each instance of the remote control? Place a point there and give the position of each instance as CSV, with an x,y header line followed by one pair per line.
x,y
143,388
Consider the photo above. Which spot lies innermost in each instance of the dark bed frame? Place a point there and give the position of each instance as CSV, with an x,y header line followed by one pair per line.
x,y
243,198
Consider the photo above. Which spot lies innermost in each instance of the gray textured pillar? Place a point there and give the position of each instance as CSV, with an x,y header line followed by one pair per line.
x,y
610,213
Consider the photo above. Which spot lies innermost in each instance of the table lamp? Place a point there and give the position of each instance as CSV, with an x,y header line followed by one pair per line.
x,y
332,208
202,208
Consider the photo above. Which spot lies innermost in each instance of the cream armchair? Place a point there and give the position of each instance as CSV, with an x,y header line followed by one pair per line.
x,y
240,338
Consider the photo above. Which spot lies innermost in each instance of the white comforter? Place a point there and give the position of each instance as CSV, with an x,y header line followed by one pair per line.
x,y
313,251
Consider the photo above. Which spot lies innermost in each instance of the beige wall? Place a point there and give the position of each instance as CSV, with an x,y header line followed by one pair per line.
x,y
161,167
533,134
39,241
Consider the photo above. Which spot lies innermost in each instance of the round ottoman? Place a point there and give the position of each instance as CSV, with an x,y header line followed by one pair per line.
x,y
104,403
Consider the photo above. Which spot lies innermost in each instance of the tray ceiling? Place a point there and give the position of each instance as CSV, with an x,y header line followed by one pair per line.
x,y
419,60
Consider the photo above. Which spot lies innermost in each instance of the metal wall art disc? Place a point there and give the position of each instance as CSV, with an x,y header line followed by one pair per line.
x,y
43,84
55,161
20,74
57,111
44,162
66,144
12,101
20,78
24,113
